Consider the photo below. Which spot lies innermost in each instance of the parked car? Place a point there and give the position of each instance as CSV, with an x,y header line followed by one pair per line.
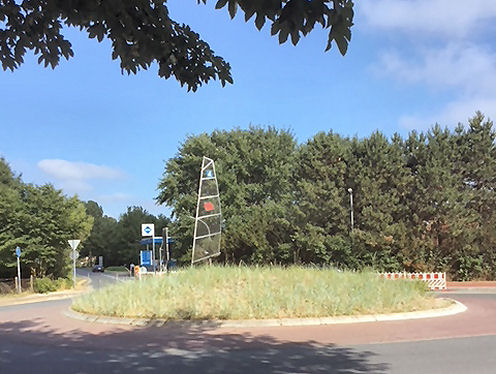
x,y
98,269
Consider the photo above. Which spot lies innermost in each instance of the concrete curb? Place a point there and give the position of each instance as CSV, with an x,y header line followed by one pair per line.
x,y
455,308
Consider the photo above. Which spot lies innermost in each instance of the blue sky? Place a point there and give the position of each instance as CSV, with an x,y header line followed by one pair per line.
x,y
91,131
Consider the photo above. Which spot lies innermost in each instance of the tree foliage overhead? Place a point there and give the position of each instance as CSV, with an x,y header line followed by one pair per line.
x,y
142,33
295,18
424,203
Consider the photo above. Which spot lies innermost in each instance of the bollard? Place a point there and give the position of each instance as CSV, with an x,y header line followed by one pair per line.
x,y
18,284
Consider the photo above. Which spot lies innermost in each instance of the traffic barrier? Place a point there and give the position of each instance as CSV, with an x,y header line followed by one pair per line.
x,y
435,281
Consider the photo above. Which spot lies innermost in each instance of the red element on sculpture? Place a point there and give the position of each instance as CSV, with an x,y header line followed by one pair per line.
x,y
208,206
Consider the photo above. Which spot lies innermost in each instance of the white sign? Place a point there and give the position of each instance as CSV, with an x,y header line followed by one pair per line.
x,y
147,229
74,243
74,255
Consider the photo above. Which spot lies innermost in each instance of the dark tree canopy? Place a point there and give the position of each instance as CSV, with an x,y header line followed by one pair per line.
x,y
142,32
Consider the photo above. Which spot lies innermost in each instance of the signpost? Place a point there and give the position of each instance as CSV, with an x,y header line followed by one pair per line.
x,y
74,255
166,240
148,229
18,254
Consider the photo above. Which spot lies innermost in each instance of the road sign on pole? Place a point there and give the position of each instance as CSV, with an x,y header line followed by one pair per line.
x,y
74,243
148,229
18,255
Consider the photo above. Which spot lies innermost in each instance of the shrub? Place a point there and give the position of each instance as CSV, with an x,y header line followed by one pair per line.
x,y
45,285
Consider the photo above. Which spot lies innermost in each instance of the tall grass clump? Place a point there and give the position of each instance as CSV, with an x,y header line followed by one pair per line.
x,y
256,293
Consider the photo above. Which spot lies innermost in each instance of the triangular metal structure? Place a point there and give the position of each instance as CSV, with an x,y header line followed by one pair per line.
x,y
207,233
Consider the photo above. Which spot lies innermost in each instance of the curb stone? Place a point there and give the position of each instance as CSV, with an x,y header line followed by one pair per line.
x,y
455,308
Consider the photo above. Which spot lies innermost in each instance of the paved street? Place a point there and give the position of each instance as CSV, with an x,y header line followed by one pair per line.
x,y
99,280
39,338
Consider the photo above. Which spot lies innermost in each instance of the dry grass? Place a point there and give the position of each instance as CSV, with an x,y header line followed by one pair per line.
x,y
256,293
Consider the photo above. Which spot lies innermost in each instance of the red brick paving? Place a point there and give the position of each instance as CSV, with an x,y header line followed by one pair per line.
x,y
46,324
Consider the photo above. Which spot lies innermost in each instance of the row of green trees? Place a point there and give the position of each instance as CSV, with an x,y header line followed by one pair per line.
x,y
117,240
40,220
424,203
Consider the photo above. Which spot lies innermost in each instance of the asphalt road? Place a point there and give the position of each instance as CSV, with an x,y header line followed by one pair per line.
x,y
99,280
39,339
461,355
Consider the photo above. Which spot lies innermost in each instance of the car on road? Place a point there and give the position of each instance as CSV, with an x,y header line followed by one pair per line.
x,y
98,269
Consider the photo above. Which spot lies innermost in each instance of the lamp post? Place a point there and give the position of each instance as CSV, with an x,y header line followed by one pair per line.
x,y
350,191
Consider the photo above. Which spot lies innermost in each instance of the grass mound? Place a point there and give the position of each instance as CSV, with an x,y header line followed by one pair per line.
x,y
256,293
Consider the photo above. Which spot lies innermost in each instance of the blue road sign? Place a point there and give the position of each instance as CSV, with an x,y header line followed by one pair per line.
x,y
18,252
148,229
209,174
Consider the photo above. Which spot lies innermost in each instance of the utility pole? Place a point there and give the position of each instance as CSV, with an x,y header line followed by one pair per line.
x,y
350,191
160,256
153,254
167,248
74,255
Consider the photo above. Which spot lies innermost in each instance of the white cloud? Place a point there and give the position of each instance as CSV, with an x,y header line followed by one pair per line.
x,y
467,72
74,177
441,18
451,114
66,170
457,65
74,186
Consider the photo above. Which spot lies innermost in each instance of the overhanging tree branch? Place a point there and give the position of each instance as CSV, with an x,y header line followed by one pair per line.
x,y
142,33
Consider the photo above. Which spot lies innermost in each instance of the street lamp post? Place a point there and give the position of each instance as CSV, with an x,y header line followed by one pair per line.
x,y
350,191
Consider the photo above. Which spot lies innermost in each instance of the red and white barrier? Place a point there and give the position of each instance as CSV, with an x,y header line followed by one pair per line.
x,y
435,281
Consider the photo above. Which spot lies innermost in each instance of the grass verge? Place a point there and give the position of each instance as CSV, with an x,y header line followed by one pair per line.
x,y
117,269
256,293
29,296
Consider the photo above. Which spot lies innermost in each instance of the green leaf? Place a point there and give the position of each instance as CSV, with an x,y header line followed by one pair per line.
x,y
260,21
283,36
295,37
220,4
233,7
342,44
